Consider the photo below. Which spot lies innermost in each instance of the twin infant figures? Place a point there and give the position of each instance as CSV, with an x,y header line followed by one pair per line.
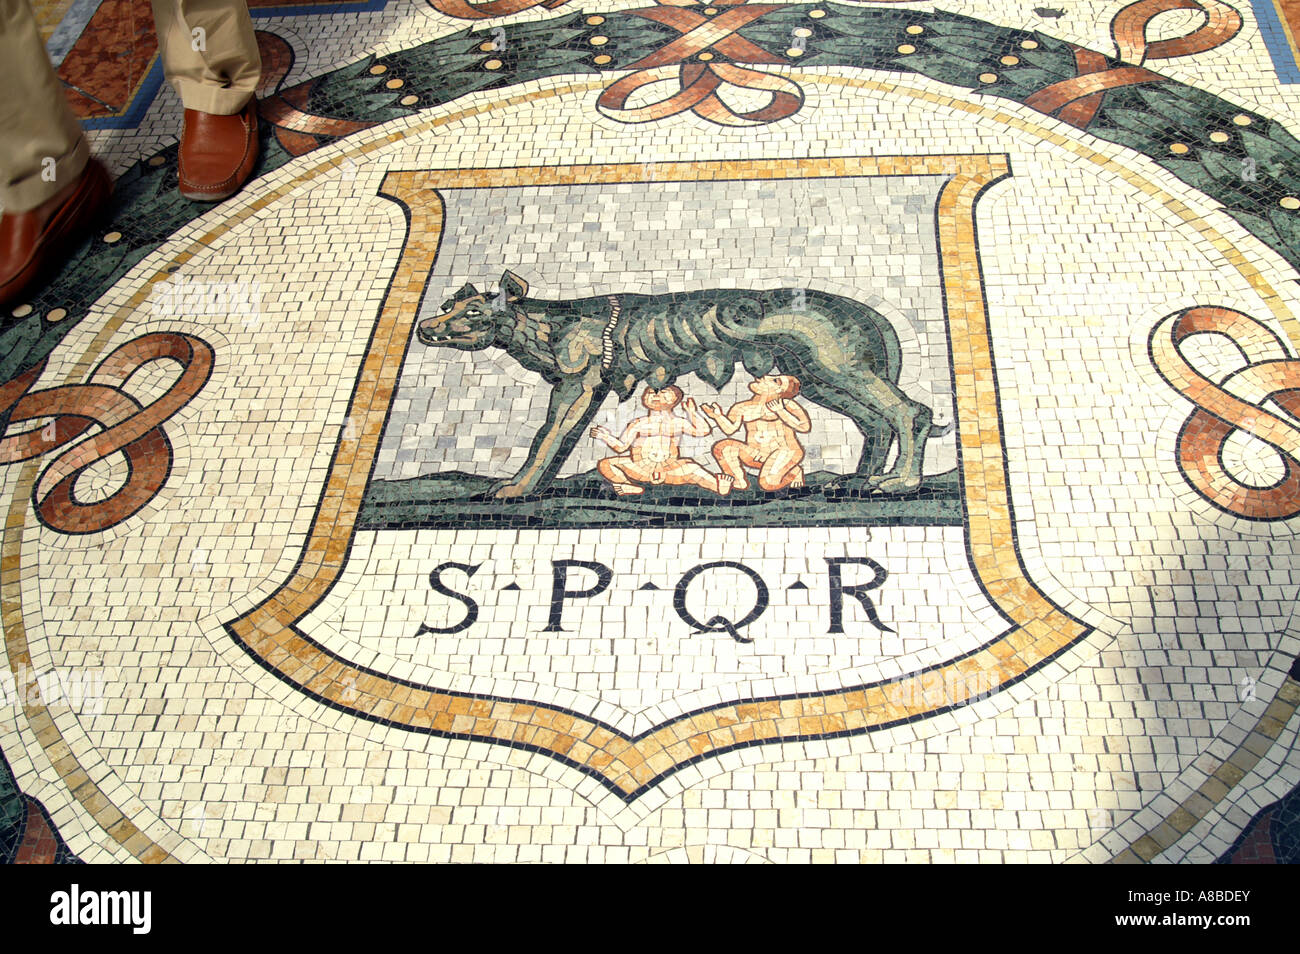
x,y
648,451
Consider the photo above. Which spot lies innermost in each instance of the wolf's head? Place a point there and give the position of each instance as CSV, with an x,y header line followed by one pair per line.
x,y
470,319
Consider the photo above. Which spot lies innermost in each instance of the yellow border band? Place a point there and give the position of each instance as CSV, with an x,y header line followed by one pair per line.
x,y
92,796
625,764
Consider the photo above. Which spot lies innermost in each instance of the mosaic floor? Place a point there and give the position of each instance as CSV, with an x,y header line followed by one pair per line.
x,y
659,432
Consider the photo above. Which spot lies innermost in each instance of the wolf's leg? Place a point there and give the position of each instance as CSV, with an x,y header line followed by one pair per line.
x,y
877,440
872,401
906,473
574,402
877,434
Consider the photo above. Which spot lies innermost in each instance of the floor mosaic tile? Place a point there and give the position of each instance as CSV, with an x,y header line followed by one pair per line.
x,y
679,432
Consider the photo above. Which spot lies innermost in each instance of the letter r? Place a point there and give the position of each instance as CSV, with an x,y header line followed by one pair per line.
x,y
858,591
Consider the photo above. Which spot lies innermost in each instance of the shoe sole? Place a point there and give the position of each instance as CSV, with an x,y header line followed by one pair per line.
x,y
82,212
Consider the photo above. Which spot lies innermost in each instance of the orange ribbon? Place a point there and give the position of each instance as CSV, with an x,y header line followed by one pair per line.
x,y
1129,29
703,37
1076,100
285,111
129,427
1234,404
297,130
699,84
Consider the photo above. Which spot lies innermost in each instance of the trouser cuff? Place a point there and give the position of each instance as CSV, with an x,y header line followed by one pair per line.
x,y
220,101
29,192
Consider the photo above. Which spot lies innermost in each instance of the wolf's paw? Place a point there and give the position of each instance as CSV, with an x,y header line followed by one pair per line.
x,y
508,491
852,483
899,485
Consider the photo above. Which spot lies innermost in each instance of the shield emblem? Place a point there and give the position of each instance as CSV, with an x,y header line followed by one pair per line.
x,y
497,506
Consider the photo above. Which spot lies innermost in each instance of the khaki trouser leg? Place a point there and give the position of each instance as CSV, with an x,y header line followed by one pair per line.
x,y
41,145
215,70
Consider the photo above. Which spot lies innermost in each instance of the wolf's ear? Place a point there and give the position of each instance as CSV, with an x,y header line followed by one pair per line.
x,y
514,286
467,291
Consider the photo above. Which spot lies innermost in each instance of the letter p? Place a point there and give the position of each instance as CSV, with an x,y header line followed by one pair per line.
x,y
560,591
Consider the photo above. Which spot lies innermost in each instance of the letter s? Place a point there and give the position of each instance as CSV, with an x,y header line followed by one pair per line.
x,y
471,607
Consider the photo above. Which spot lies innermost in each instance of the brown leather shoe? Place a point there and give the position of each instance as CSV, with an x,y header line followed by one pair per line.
x,y
34,243
217,153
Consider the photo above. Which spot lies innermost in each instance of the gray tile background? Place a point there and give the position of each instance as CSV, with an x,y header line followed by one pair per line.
x,y
866,238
